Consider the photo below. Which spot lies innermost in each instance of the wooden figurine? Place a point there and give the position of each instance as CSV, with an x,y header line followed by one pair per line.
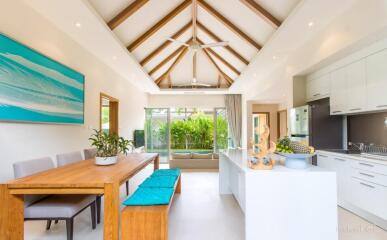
x,y
261,153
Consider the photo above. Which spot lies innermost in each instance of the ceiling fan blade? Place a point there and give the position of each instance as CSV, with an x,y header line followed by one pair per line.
x,y
218,44
177,41
201,84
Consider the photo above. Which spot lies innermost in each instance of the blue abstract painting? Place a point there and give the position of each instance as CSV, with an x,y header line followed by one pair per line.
x,y
35,88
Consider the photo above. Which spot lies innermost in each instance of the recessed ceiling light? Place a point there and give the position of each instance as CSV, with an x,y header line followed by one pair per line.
x,y
114,58
274,57
78,24
310,24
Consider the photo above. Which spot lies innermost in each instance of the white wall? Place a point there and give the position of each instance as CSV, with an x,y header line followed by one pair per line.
x,y
193,101
21,141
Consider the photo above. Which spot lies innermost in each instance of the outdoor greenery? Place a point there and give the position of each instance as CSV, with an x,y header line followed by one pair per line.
x,y
194,133
109,145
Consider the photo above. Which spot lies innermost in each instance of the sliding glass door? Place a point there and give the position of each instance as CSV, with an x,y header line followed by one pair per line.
x,y
157,132
185,130
221,139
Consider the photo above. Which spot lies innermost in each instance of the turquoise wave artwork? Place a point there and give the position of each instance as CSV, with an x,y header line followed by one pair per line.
x,y
35,88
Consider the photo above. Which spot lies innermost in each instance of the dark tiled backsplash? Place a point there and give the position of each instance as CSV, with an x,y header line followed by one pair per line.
x,y
368,128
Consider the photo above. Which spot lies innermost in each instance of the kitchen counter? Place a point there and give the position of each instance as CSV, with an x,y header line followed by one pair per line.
x,y
354,156
281,203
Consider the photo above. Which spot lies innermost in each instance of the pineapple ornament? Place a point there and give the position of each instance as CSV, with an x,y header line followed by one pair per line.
x,y
261,153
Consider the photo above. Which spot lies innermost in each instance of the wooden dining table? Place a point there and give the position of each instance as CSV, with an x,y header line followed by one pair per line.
x,y
83,177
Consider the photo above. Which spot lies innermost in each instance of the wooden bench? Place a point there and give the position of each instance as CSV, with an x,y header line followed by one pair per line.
x,y
147,222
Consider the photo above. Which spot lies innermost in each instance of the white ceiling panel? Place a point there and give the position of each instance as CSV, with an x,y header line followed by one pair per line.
x,y
108,9
246,50
167,51
144,19
245,19
225,54
167,31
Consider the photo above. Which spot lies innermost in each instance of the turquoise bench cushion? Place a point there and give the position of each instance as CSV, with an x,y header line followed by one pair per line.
x,y
150,196
159,181
167,172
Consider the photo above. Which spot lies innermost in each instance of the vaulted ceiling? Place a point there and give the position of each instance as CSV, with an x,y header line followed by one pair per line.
x,y
144,26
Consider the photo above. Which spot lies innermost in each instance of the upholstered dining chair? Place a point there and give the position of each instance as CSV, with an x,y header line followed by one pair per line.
x,y
52,207
90,153
67,158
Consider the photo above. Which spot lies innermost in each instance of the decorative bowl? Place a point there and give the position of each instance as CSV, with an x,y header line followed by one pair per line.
x,y
296,160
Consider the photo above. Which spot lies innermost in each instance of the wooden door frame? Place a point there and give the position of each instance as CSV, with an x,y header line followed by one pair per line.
x,y
114,107
279,122
268,122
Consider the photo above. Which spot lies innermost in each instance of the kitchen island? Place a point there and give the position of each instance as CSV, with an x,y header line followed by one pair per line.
x,y
281,204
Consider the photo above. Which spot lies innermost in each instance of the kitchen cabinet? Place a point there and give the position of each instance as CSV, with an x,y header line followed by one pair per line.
x,y
376,75
362,184
356,87
317,88
349,89
369,196
338,97
341,166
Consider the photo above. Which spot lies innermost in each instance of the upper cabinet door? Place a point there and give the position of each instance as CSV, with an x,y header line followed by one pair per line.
x,y
376,77
317,88
357,87
338,99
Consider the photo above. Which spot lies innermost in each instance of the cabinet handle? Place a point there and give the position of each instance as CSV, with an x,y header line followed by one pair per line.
x,y
340,159
355,109
381,106
337,111
366,164
317,94
322,155
367,175
367,185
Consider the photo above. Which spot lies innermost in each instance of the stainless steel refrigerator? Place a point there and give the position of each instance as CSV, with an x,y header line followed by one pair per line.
x,y
313,124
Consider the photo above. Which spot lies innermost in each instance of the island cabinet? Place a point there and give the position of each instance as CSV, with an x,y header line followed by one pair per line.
x,y
361,185
281,203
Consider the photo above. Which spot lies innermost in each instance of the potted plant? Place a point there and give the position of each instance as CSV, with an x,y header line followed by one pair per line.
x,y
108,147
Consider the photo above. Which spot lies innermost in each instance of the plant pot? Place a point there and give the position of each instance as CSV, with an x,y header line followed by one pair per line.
x,y
103,161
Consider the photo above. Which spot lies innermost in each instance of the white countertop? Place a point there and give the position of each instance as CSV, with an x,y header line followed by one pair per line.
x,y
358,157
240,159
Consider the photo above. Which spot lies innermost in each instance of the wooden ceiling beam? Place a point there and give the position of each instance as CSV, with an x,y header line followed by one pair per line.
x,y
260,11
230,66
126,13
167,59
165,44
218,39
228,24
224,75
174,64
159,25
194,19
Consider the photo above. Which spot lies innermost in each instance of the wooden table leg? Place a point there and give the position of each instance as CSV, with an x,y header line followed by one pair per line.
x,y
111,211
156,163
11,215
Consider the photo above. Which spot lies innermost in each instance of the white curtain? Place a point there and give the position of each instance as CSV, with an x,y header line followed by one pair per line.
x,y
233,104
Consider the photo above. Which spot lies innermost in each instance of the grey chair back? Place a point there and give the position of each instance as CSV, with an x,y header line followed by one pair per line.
x,y
30,167
67,158
90,153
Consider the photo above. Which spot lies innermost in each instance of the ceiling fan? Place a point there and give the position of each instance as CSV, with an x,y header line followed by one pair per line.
x,y
195,46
